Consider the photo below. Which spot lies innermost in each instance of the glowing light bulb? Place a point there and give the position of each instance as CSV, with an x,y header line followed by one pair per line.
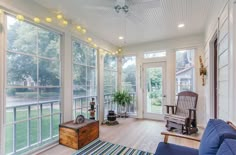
x,y
49,20
95,45
59,16
36,20
20,17
65,22
78,27
84,31
89,39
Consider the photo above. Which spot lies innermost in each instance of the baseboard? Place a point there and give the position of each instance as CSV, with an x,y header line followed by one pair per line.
x,y
42,148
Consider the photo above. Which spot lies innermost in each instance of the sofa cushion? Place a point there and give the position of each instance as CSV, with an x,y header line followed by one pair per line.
x,y
228,147
172,149
216,131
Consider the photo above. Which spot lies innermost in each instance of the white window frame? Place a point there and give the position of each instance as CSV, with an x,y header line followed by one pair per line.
x,y
4,70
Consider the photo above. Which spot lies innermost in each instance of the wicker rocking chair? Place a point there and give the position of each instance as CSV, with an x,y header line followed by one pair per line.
x,y
183,116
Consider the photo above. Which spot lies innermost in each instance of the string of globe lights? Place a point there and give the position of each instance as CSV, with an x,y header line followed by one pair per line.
x,y
62,21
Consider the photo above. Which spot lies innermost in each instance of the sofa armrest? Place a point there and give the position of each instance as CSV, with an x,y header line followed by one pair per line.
x,y
167,134
232,125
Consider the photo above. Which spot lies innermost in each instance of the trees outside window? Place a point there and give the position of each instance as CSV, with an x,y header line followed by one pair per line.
x,y
33,87
84,77
128,79
110,82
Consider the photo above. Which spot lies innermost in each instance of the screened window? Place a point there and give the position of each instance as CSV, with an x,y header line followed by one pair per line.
x,y
129,79
84,77
33,88
184,70
110,82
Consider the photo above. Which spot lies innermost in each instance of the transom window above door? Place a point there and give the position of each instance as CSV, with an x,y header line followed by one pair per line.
x,y
154,54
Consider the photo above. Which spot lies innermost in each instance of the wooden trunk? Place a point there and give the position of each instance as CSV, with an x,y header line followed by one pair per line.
x,y
77,136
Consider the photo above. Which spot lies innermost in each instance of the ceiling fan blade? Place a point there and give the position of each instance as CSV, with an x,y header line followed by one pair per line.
x,y
134,18
146,4
96,8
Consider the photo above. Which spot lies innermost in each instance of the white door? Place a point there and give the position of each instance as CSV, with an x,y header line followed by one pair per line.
x,y
154,90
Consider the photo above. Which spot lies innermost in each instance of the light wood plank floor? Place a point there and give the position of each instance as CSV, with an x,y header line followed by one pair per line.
x,y
139,134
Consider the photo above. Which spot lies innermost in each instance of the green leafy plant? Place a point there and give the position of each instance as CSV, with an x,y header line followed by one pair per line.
x,y
122,97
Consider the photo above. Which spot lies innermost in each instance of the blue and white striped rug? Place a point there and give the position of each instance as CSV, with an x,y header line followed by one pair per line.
x,y
99,147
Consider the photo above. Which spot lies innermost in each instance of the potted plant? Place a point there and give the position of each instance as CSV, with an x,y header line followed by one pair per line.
x,y
122,98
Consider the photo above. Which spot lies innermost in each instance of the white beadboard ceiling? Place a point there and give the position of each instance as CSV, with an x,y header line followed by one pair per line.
x,y
145,23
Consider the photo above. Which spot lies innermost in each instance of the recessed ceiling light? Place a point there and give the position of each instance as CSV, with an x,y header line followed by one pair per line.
x,y
121,37
180,25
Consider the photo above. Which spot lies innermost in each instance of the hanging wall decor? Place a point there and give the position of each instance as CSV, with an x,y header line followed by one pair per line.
x,y
203,71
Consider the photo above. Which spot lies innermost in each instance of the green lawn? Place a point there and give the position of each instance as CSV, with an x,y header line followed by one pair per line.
x,y
156,109
21,128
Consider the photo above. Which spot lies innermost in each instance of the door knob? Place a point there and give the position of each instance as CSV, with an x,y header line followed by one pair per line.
x,y
164,96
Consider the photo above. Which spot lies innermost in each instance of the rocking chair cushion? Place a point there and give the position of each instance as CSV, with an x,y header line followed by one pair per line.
x,y
172,149
228,147
215,133
176,118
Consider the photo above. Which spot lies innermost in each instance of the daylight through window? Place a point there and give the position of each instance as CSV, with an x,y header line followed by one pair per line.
x,y
33,88
184,70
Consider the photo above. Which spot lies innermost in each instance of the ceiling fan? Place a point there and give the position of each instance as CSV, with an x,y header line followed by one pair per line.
x,y
127,8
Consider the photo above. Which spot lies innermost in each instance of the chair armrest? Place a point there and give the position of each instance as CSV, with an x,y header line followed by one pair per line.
x,y
169,105
167,134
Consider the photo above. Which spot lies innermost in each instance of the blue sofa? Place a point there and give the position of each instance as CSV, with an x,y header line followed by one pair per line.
x,y
219,138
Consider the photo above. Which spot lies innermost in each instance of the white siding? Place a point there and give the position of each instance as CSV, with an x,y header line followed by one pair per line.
x,y
223,63
218,22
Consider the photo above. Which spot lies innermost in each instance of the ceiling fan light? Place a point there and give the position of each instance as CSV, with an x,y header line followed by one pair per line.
x,y
117,8
125,8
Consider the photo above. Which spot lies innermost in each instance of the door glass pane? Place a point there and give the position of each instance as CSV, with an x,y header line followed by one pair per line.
x,y
154,90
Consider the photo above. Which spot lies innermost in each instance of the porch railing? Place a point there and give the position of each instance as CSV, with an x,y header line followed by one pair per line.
x,y
109,104
81,106
40,112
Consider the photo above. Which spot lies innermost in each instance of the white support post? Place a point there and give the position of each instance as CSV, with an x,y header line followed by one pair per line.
x,y
2,83
119,72
67,78
232,59
100,85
